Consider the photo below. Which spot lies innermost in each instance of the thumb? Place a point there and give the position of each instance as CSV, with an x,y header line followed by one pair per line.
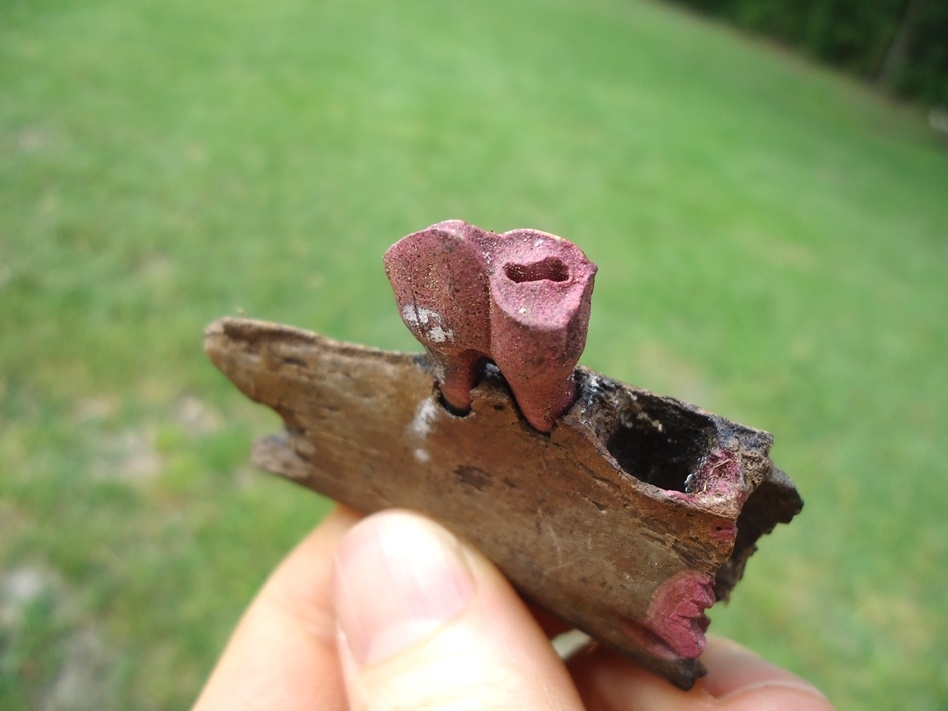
x,y
427,622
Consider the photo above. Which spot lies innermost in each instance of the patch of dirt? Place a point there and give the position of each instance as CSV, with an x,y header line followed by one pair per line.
x,y
97,408
129,456
79,680
197,416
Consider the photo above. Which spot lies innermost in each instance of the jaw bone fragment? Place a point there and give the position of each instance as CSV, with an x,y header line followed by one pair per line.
x,y
627,516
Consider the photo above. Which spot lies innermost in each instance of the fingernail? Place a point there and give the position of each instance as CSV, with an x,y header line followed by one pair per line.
x,y
803,687
398,578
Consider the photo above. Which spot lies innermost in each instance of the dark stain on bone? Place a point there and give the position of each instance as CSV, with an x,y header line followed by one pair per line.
x,y
601,507
473,476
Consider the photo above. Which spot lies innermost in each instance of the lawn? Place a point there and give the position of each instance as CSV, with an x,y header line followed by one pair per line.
x,y
771,239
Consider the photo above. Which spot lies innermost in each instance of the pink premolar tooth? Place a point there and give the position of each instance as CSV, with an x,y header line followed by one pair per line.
x,y
521,299
541,289
439,277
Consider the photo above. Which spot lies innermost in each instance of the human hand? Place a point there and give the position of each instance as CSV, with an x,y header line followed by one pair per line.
x,y
393,612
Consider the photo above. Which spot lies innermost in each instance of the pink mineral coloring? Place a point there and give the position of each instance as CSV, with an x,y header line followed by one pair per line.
x,y
676,613
521,299
439,277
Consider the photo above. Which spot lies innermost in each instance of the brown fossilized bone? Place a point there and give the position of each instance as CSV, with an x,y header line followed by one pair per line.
x,y
628,519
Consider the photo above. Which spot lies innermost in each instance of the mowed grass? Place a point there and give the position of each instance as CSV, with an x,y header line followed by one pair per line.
x,y
771,240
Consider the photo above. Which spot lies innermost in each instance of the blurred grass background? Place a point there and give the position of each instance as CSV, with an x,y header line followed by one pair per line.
x,y
772,246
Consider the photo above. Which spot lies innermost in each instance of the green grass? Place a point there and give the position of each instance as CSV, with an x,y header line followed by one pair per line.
x,y
771,240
